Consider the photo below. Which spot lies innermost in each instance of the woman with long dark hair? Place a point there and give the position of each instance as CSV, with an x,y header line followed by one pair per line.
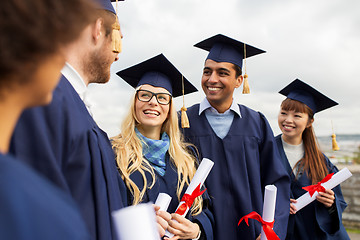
x,y
307,165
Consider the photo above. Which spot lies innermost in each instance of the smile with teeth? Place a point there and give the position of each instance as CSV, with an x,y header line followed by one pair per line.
x,y
152,112
214,88
288,127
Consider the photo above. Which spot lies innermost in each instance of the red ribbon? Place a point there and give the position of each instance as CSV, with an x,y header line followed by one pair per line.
x,y
267,226
188,200
317,187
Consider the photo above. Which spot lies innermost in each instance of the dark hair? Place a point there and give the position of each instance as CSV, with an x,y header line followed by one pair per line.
x,y
313,162
31,30
238,70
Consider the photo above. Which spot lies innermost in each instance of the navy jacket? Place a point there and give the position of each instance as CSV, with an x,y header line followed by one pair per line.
x,y
31,208
314,220
63,142
168,184
246,160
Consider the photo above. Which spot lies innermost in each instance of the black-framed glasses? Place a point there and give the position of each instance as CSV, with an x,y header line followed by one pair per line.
x,y
146,96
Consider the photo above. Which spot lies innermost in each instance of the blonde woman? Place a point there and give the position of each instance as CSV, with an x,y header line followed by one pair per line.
x,y
150,153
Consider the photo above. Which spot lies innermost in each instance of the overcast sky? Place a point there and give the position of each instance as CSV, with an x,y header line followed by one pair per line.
x,y
317,41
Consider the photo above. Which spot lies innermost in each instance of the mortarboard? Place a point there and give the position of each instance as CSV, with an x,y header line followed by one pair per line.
x,y
315,100
302,92
224,49
160,72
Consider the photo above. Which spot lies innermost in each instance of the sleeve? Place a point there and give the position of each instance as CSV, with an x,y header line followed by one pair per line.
x,y
331,222
273,172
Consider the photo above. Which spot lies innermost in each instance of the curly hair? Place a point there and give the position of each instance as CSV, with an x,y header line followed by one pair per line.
x,y
31,30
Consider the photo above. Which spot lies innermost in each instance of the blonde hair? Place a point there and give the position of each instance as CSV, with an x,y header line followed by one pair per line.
x,y
129,157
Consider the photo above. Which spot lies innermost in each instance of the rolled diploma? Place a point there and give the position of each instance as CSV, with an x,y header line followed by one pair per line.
x,y
163,200
269,206
199,178
129,220
336,179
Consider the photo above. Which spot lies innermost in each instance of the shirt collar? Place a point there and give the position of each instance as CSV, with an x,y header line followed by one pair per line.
x,y
206,105
75,80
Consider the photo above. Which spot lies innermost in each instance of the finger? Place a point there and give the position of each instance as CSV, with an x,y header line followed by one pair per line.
x,y
162,222
165,215
293,200
156,208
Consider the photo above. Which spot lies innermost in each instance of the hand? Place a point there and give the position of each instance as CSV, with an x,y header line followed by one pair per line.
x,y
259,237
183,228
327,198
293,209
162,219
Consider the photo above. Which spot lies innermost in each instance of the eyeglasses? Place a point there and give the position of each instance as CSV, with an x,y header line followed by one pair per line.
x,y
146,96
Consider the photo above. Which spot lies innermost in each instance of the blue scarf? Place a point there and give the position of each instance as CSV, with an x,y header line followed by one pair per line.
x,y
155,151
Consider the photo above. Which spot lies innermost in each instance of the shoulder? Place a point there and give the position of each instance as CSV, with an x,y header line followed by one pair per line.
x,y
193,110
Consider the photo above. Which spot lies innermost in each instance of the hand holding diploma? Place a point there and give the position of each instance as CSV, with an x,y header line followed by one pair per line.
x,y
162,216
329,182
187,200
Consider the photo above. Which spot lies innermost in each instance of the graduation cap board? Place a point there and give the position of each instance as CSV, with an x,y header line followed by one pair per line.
x,y
315,100
224,49
302,92
159,72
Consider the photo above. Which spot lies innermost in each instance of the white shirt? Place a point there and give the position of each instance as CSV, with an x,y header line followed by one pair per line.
x,y
78,84
293,152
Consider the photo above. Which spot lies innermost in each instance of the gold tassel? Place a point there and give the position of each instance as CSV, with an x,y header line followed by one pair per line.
x,y
246,87
184,118
116,38
335,146
116,42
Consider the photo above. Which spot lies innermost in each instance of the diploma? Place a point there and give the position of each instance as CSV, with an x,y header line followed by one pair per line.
x,y
268,207
136,222
193,189
163,200
267,219
335,180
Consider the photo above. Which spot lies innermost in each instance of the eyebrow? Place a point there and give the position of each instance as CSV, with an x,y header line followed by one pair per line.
x,y
218,69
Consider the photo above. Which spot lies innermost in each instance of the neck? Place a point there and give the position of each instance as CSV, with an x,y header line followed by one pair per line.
x,y
150,132
292,140
221,107
10,113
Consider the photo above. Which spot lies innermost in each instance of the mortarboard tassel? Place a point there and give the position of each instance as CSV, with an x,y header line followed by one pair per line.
x,y
184,118
246,87
115,36
335,146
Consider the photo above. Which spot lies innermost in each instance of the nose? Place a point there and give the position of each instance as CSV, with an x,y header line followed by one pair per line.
x,y
213,78
153,101
116,57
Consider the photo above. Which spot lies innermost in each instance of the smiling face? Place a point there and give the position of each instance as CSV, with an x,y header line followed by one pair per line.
x,y
292,123
219,82
151,115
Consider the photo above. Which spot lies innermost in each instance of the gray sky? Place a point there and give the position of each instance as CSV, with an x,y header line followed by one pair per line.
x,y
317,41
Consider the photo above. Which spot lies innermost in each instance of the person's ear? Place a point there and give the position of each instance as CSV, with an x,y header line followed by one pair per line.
x,y
310,123
97,30
239,81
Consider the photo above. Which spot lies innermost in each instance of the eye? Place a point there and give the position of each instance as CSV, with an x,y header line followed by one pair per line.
x,y
206,72
283,113
223,73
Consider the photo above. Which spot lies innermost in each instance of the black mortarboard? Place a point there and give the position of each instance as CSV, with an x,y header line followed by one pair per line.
x,y
302,92
224,49
158,72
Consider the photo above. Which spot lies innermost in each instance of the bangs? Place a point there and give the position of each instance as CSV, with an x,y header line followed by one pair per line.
x,y
293,105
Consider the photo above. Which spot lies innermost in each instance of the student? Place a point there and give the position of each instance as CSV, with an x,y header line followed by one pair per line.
x,y
33,38
150,153
240,142
62,140
307,165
